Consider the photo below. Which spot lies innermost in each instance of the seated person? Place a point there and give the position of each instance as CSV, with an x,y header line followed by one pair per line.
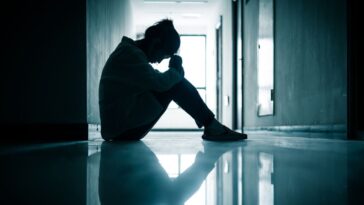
x,y
133,95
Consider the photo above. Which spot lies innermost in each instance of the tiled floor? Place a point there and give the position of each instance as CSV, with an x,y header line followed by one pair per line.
x,y
180,168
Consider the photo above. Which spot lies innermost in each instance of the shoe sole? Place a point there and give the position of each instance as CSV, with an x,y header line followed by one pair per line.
x,y
224,138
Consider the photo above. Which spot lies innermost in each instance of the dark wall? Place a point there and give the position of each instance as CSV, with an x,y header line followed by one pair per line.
x,y
44,174
44,77
107,22
310,63
355,71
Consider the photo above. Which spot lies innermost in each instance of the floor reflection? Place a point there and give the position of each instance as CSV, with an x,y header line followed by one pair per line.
x,y
184,170
319,174
131,173
265,172
266,187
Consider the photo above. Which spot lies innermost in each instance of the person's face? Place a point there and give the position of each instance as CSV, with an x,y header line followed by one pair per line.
x,y
159,56
156,53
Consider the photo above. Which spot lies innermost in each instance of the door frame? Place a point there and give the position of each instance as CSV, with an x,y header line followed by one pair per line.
x,y
219,69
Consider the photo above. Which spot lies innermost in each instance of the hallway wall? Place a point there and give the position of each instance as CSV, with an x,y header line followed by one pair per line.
x,y
107,22
355,71
43,77
310,64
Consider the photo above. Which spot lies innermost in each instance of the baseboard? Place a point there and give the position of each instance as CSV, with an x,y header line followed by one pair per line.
x,y
338,131
43,132
360,135
176,129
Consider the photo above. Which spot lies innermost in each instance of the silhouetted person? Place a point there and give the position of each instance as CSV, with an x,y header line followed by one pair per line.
x,y
130,173
133,95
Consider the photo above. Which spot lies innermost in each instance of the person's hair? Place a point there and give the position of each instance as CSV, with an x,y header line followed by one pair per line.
x,y
165,31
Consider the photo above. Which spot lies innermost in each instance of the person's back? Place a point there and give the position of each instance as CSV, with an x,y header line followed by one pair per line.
x,y
124,97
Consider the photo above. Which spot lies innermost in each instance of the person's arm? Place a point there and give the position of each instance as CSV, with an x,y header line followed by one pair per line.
x,y
176,63
133,69
145,76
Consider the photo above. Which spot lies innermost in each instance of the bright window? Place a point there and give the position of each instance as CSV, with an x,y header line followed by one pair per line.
x,y
193,53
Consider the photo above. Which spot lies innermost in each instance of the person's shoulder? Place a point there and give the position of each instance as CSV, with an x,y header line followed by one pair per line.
x,y
126,43
127,40
128,50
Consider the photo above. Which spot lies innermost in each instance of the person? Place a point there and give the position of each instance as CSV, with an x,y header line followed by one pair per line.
x,y
133,95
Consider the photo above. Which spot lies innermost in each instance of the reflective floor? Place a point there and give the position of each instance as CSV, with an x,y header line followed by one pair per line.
x,y
180,168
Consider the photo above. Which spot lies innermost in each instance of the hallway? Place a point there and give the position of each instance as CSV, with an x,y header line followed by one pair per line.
x,y
287,73
180,168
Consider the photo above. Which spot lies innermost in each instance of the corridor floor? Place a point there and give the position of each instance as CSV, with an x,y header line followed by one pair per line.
x,y
180,168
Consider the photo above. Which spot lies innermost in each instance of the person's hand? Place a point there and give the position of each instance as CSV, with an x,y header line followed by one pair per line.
x,y
176,63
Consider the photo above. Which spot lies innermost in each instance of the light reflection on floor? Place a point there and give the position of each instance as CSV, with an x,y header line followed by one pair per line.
x,y
180,168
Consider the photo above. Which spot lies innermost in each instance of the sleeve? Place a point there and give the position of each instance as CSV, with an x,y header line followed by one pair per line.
x,y
146,77
133,69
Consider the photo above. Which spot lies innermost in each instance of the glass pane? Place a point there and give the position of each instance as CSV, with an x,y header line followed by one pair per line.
x,y
192,51
265,58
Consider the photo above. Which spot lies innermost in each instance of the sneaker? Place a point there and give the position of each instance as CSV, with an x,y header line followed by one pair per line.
x,y
228,135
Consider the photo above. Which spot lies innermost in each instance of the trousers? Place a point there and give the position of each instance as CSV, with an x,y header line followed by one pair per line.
x,y
185,95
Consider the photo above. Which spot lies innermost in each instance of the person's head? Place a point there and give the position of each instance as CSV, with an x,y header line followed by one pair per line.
x,y
162,41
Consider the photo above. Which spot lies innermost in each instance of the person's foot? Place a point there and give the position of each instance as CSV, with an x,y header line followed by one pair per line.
x,y
227,135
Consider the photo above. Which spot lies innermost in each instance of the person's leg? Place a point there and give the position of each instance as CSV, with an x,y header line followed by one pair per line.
x,y
186,96
140,132
135,133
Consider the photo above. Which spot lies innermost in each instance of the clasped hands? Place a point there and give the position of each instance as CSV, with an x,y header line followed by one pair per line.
x,y
176,63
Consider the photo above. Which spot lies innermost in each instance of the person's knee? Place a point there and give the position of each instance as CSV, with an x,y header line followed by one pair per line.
x,y
181,85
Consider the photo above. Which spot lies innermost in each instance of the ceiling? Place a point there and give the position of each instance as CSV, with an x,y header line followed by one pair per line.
x,y
192,13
